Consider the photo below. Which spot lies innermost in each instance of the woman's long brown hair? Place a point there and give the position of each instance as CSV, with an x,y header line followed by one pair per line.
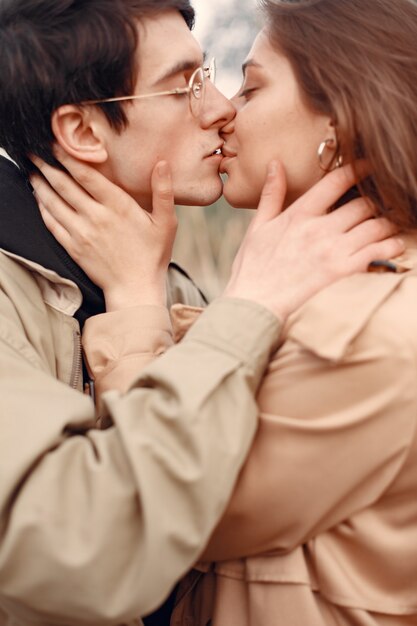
x,y
356,60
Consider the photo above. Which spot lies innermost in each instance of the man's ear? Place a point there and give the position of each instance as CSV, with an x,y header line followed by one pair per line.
x,y
80,132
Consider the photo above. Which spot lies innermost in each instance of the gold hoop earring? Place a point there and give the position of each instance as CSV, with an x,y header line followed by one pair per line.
x,y
337,159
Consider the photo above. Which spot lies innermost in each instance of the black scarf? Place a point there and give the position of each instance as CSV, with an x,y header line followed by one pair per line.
x,y
23,232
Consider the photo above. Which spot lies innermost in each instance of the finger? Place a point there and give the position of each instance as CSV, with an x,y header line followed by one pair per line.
x,y
56,207
350,215
273,194
66,187
324,194
54,227
369,232
93,182
162,192
380,251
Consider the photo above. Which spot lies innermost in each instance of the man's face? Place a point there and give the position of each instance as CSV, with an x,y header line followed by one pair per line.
x,y
164,127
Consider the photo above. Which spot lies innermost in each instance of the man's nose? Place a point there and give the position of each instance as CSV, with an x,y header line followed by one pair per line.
x,y
218,110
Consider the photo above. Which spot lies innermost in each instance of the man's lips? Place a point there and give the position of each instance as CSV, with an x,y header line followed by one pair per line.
x,y
217,152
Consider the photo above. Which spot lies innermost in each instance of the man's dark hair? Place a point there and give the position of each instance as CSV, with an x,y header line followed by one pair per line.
x,y
56,52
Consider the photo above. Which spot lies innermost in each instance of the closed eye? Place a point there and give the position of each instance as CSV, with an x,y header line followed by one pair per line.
x,y
246,92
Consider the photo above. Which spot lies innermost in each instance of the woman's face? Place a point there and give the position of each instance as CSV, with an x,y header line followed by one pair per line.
x,y
272,122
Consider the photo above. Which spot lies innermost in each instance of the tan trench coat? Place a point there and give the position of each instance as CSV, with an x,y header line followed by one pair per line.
x,y
327,501
85,515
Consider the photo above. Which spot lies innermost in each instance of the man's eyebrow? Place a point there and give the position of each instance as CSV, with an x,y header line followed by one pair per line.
x,y
249,63
181,66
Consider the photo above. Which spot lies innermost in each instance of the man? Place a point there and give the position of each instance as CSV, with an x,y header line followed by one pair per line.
x,y
98,525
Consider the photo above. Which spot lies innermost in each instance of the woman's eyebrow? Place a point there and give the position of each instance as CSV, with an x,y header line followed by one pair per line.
x,y
250,63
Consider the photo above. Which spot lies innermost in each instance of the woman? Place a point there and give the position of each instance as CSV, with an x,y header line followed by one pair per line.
x,y
327,503
322,528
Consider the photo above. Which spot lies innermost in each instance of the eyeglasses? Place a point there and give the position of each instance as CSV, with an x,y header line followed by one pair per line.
x,y
195,90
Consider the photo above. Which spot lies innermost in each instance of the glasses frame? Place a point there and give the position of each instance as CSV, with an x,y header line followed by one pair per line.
x,y
195,90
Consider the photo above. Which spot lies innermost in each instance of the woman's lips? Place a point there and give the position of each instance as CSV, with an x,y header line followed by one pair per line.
x,y
228,156
227,152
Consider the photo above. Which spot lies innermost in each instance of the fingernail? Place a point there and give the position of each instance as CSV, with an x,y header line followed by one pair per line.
x,y
33,179
272,168
163,169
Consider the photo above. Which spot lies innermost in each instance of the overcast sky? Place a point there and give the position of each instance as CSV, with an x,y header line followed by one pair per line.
x,y
206,10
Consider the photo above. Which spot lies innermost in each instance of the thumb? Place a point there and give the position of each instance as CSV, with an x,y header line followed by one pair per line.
x,y
273,193
162,192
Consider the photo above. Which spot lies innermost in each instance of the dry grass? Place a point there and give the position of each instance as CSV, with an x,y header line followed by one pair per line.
x,y
207,241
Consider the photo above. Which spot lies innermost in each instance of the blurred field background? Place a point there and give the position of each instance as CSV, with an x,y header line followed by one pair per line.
x,y
209,237
207,241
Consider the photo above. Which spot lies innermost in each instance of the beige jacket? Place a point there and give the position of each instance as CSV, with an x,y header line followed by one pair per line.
x,y
85,515
327,501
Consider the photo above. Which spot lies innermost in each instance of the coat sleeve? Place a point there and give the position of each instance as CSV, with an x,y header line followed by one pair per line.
x,y
332,438
120,344
97,526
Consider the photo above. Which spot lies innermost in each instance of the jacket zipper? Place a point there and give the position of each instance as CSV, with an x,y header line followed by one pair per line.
x,y
77,360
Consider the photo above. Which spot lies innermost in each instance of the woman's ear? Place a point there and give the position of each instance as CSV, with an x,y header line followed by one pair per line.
x,y
79,131
331,131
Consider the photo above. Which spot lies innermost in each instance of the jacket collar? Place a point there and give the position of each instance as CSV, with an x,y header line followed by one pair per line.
x,y
330,321
59,293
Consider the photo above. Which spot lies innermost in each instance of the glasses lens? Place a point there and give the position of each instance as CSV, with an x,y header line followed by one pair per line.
x,y
197,84
197,91
210,71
